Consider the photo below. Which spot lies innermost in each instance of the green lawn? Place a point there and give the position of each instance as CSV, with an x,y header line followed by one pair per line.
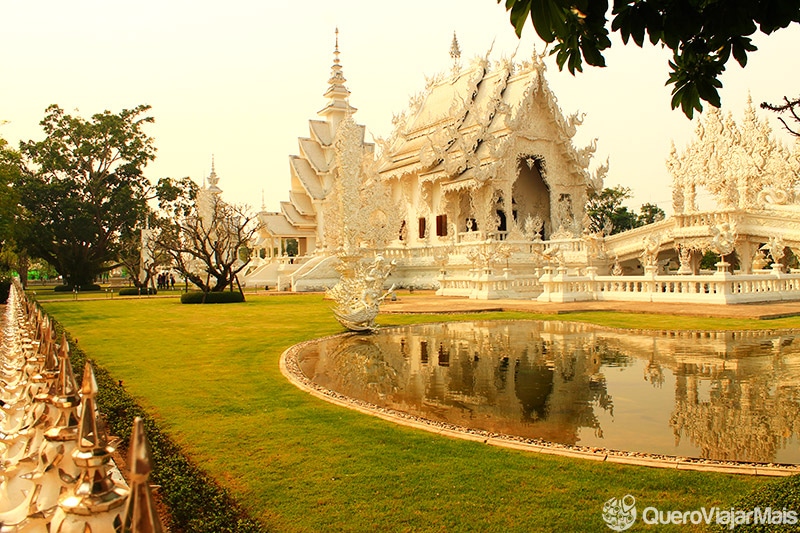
x,y
209,374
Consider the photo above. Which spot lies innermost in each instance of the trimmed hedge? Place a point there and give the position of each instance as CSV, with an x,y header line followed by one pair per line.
x,y
196,503
136,291
222,297
83,288
778,495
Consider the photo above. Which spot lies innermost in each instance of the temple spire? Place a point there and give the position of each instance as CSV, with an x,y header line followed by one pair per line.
x,y
455,51
337,94
213,179
455,54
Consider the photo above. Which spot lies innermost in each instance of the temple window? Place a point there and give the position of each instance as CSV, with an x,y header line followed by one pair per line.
x,y
423,228
441,225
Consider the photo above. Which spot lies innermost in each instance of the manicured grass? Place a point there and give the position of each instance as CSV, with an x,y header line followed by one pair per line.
x,y
210,375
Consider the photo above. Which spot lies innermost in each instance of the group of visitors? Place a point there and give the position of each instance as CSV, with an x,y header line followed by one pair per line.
x,y
166,280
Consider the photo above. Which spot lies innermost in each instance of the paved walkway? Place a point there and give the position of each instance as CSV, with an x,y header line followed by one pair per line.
x,y
430,303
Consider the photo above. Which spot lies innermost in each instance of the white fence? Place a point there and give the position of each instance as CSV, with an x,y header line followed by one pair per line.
x,y
717,288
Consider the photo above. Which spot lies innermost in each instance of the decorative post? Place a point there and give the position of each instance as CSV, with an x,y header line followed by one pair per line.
x,y
94,502
140,511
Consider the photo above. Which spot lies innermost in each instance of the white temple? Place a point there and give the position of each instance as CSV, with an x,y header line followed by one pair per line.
x,y
480,192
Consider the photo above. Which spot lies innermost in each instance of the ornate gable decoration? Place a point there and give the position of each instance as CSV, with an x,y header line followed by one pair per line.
x,y
740,166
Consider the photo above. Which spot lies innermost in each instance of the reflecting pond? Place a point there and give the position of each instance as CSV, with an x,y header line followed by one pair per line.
x,y
715,395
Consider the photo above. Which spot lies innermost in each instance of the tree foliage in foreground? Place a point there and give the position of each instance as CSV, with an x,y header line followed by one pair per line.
x,y
607,215
205,237
702,35
83,189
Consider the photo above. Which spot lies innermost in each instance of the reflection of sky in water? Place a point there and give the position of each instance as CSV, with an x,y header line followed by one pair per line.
x,y
726,396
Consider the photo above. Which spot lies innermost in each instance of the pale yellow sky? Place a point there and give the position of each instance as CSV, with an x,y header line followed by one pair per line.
x,y
241,79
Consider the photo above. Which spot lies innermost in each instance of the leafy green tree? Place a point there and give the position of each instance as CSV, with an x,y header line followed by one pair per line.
x,y
650,213
12,255
9,174
606,212
83,189
702,35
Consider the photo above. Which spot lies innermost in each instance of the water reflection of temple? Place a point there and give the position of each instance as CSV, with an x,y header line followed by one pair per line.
x,y
736,394
537,381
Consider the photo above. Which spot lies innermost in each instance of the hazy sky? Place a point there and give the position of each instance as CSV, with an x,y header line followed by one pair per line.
x,y
241,79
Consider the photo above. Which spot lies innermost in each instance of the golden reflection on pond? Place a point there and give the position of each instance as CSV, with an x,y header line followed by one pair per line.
x,y
727,396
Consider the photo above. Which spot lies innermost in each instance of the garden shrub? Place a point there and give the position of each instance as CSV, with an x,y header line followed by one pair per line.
x,y
196,503
224,297
136,291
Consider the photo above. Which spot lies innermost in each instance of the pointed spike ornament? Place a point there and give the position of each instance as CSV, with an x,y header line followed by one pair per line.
x,y
140,511
95,502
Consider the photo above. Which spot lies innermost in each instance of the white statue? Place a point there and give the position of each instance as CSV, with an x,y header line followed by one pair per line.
x,y
359,293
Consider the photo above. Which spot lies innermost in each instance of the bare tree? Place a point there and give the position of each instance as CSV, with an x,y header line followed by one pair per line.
x,y
205,237
789,106
142,254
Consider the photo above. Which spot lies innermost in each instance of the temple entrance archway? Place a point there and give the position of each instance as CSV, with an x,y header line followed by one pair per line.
x,y
531,194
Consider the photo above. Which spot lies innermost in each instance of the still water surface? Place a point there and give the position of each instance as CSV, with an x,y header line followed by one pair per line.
x,y
715,395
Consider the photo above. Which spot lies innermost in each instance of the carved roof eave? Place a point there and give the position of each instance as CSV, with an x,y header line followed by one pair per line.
x,y
308,178
314,153
321,132
303,203
461,184
286,230
295,218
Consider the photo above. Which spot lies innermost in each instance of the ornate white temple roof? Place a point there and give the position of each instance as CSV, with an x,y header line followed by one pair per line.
x,y
455,130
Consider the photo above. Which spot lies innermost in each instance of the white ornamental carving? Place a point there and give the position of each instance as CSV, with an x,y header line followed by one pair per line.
x,y
741,166
359,293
